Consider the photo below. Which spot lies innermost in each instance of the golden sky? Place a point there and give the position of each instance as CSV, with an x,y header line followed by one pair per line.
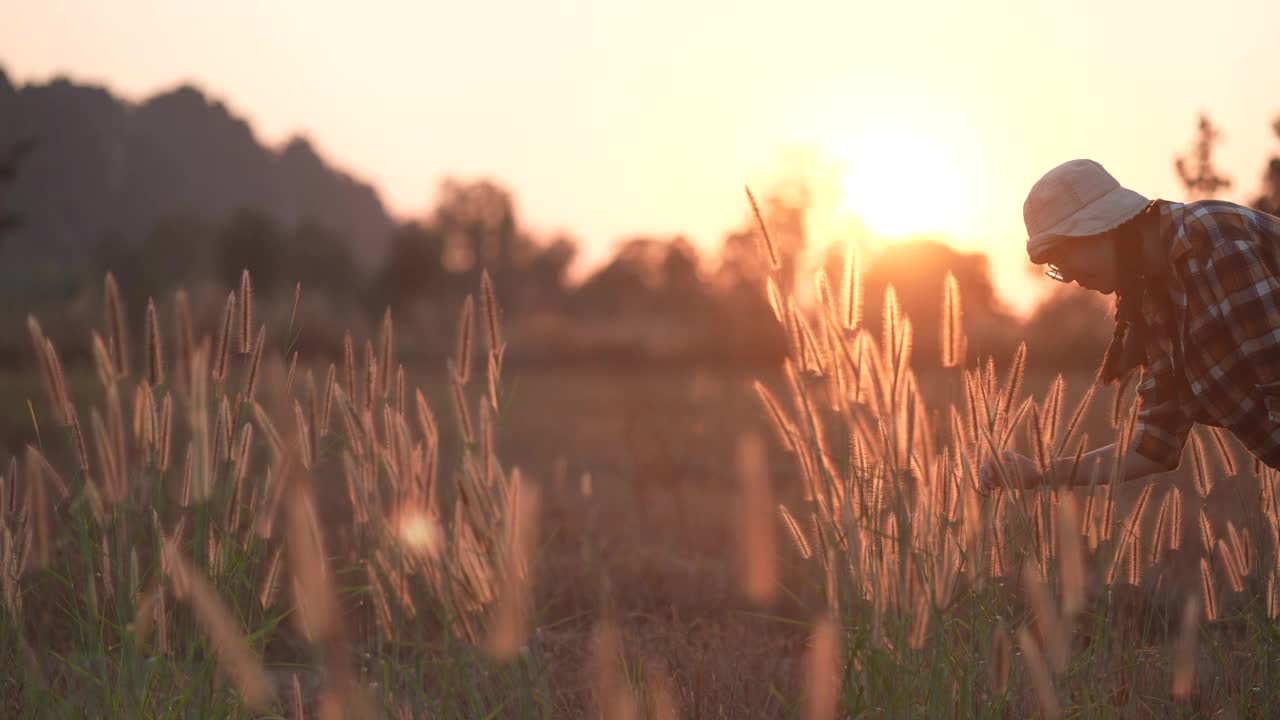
x,y
609,119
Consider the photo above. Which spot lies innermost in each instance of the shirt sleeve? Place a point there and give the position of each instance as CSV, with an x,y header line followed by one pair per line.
x,y
1162,427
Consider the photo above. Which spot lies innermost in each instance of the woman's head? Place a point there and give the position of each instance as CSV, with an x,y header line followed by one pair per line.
x,y
1089,262
1091,231
1075,216
1107,262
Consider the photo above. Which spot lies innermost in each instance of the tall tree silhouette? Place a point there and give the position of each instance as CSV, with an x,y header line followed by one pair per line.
x,y
478,222
413,268
9,162
1196,170
1269,200
251,239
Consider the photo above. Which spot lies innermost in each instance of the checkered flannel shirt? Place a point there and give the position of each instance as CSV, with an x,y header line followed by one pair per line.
x,y
1214,339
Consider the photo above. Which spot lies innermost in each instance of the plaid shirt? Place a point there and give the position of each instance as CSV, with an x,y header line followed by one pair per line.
x,y
1213,347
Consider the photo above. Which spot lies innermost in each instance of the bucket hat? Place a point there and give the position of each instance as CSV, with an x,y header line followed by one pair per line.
x,y
1078,198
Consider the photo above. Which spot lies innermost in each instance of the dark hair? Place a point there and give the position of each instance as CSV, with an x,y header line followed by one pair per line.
x,y
1128,349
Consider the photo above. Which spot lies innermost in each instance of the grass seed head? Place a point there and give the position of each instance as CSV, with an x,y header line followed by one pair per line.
x,y
755,523
1071,557
953,340
797,534
349,366
330,381
303,434
255,363
39,529
222,349
229,644
1229,564
1184,652
662,695
386,350
313,592
245,344
1223,451
1053,631
1050,708
509,625
155,347
1208,593
851,287
768,250
999,661
489,304
461,412
463,341
613,696
369,390
117,327
822,685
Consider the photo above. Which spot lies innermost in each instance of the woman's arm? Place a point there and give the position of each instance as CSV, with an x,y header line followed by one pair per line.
x,y
1101,462
1021,471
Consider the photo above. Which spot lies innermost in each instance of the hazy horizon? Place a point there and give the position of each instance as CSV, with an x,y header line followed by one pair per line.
x,y
613,122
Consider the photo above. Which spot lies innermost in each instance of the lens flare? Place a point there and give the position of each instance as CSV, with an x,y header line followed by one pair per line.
x,y
419,531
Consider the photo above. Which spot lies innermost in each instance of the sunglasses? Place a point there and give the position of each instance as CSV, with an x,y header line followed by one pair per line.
x,y
1057,273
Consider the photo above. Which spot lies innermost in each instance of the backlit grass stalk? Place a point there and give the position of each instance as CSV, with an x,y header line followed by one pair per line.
x,y
243,462
898,518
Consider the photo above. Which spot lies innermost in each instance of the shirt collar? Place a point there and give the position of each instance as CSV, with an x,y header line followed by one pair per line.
x,y
1172,227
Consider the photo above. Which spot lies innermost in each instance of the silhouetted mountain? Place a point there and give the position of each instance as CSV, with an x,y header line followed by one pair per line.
x,y
105,168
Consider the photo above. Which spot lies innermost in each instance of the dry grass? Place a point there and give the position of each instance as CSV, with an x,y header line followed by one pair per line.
x,y
94,547
899,519
364,557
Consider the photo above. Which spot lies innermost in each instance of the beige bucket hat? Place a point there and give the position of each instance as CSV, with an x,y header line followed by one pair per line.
x,y
1076,199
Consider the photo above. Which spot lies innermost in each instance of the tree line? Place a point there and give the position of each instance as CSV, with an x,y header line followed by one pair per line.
x,y
657,300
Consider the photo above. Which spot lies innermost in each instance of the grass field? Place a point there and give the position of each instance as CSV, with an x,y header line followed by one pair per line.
x,y
320,564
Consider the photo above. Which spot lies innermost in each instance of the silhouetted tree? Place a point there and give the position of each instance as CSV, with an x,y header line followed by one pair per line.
x,y
627,284
9,162
683,288
414,266
543,281
473,227
178,250
651,302
322,260
115,254
478,222
743,320
1269,200
1196,171
741,267
251,239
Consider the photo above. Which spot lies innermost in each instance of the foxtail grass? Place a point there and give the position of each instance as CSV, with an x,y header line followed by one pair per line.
x,y
231,527
899,517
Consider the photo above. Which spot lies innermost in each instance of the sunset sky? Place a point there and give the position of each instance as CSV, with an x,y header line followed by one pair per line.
x,y
609,119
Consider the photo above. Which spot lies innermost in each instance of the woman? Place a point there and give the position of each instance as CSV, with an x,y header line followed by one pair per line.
x,y
1198,312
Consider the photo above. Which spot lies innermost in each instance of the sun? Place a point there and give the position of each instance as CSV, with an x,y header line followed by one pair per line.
x,y
898,180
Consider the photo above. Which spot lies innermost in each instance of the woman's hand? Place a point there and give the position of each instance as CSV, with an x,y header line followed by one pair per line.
x,y
1018,471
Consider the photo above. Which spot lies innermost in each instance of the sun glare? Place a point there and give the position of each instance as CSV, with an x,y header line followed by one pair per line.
x,y
899,181
419,531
